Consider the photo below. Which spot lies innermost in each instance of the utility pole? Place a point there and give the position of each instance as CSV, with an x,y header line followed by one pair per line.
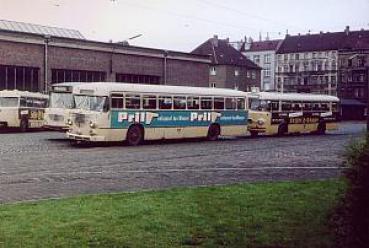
x,y
367,100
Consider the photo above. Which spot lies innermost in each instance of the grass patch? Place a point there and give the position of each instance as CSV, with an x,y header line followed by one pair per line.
x,y
286,214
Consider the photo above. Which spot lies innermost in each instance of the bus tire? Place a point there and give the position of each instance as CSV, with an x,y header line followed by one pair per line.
x,y
321,128
213,132
282,129
254,133
23,125
135,135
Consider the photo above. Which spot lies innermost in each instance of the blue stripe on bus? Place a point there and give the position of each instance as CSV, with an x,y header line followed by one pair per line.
x,y
123,119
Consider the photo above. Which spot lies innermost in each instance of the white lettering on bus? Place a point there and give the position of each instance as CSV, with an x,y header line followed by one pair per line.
x,y
143,117
206,116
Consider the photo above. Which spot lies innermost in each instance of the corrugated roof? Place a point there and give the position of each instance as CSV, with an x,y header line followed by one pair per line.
x,y
38,29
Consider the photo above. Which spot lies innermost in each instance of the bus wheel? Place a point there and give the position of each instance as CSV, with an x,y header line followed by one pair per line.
x,y
254,133
23,125
321,128
213,132
134,135
282,129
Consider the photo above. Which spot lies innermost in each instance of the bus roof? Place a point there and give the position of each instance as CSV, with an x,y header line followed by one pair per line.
x,y
105,88
17,93
303,97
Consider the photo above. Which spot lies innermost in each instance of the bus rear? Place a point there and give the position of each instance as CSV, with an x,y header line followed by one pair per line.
x,y
60,104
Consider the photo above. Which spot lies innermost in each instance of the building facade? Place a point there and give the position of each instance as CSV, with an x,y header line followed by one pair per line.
x,y
263,53
354,82
308,63
229,67
34,60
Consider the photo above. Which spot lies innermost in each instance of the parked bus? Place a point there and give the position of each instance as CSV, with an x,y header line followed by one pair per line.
x,y
137,112
283,113
22,109
60,103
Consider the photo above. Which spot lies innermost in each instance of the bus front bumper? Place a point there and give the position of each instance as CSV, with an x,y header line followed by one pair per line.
x,y
88,138
257,129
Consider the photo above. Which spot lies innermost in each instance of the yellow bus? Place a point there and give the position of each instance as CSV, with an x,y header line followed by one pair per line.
x,y
22,109
137,112
273,113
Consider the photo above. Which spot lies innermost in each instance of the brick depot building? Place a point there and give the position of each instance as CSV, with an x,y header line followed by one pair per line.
x,y
33,57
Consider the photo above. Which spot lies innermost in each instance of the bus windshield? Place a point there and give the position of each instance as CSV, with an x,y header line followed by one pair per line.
x,y
259,105
93,103
61,100
8,102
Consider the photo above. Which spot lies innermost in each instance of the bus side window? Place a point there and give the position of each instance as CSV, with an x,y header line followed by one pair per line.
x,y
165,102
218,103
230,103
206,103
23,102
334,107
149,102
286,106
117,101
179,102
241,103
316,106
307,106
324,107
132,101
275,106
29,102
296,106
193,102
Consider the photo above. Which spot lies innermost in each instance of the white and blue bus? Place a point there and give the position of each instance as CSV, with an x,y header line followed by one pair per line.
x,y
60,103
137,112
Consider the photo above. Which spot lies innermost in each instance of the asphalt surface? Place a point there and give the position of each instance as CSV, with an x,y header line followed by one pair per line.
x,y
40,165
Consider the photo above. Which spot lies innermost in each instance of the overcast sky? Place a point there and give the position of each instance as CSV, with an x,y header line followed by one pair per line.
x,y
182,25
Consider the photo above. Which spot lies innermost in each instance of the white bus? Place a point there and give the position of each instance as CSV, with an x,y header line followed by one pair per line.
x,y
60,103
22,109
137,112
282,113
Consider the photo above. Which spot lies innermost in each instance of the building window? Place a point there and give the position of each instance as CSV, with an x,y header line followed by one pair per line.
x,y
253,74
266,72
137,79
236,73
213,85
256,59
19,77
213,71
267,59
248,74
61,75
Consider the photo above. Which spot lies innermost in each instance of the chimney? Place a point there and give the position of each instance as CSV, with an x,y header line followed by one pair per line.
x,y
347,30
215,40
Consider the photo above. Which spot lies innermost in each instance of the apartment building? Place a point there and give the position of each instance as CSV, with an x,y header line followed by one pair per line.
x,y
229,67
263,53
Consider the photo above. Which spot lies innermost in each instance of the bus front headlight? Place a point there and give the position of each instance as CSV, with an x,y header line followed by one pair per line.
x,y
92,125
260,122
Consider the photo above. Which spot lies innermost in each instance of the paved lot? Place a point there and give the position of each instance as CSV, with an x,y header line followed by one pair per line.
x,y
43,164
